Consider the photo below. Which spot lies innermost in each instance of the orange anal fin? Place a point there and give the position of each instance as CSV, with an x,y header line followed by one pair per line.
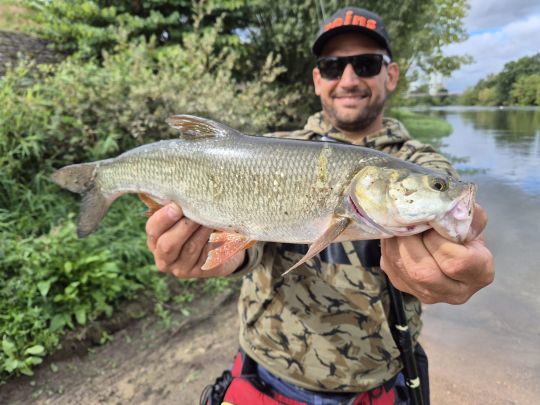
x,y
232,243
334,230
150,203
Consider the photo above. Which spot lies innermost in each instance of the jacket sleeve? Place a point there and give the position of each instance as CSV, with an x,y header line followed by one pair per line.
x,y
253,258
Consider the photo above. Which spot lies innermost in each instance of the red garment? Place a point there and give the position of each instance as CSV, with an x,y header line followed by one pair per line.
x,y
241,391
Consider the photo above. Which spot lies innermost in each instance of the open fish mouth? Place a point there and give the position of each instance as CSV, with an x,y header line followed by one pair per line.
x,y
455,225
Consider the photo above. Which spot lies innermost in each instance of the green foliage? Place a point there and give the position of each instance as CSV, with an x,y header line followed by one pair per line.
x,y
88,110
512,71
419,31
468,97
516,84
487,96
82,111
55,281
88,27
526,90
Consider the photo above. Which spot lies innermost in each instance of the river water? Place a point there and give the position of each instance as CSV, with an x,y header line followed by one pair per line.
x,y
496,335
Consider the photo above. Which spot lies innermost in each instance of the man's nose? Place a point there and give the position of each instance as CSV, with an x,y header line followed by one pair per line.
x,y
349,77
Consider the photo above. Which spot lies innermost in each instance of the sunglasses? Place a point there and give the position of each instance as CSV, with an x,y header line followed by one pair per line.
x,y
365,65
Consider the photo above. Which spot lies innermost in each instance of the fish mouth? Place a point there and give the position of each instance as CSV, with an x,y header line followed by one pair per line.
x,y
456,223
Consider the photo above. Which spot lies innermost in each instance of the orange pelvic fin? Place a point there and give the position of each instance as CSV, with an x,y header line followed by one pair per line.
x,y
152,205
231,244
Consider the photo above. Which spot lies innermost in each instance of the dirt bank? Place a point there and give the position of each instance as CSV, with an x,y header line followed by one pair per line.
x,y
148,363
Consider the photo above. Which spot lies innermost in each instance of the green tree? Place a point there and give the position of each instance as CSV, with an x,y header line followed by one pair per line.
x,y
526,90
87,27
512,85
511,72
468,97
487,96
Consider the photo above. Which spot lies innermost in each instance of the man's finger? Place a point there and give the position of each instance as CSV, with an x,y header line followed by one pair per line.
x,y
171,243
417,256
392,265
464,263
192,253
162,220
417,272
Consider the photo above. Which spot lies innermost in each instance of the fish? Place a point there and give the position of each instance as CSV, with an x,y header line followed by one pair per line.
x,y
251,188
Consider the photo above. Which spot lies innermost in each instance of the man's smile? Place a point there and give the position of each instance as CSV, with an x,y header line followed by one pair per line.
x,y
350,99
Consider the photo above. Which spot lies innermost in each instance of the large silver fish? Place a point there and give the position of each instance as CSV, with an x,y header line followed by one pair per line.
x,y
268,189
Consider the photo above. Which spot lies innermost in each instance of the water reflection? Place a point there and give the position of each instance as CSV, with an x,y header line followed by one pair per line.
x,y
497,328
505,143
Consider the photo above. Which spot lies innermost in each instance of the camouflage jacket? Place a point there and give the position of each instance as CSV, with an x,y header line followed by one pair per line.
x,y
325,326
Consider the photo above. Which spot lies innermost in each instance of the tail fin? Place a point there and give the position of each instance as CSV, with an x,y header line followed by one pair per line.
x,y
80,179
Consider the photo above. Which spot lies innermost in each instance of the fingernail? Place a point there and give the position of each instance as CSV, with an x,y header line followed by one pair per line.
x,y
174,212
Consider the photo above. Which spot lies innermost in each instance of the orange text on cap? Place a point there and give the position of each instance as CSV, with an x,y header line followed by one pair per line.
x,y
351,19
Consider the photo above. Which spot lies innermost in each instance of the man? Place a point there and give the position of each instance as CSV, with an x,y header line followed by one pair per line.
x,y
322,334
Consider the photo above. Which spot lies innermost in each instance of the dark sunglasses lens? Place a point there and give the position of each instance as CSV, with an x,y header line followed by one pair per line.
x,y
367,65
331,68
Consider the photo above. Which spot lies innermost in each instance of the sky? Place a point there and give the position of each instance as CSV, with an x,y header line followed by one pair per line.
x,y
500,31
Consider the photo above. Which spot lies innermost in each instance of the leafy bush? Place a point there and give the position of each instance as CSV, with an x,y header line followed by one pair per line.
x,y
88,27
55,281
81,111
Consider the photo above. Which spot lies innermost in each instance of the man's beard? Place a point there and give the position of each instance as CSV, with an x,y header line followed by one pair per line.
x,y
363,118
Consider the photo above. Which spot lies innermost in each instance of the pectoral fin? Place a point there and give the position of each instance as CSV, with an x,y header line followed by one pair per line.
x,y
232,243
337,226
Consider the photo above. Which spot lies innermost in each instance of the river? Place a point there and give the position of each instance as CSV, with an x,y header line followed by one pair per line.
x,y
495,336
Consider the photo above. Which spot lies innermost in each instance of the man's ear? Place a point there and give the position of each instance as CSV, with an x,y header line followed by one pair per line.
x,y
393,76
317,80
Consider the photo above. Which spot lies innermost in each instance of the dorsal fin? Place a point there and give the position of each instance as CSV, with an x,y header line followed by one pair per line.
x,y
191,126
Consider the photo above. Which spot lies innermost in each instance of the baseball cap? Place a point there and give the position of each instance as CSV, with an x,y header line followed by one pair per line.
x,y
352,19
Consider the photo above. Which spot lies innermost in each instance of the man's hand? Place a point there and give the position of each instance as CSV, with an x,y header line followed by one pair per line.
x,y
180,246
435,269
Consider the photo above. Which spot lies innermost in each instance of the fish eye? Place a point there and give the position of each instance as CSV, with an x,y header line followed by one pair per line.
x,y
438,184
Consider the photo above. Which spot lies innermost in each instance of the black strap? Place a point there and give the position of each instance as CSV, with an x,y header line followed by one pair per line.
x,y
213,394
249,366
